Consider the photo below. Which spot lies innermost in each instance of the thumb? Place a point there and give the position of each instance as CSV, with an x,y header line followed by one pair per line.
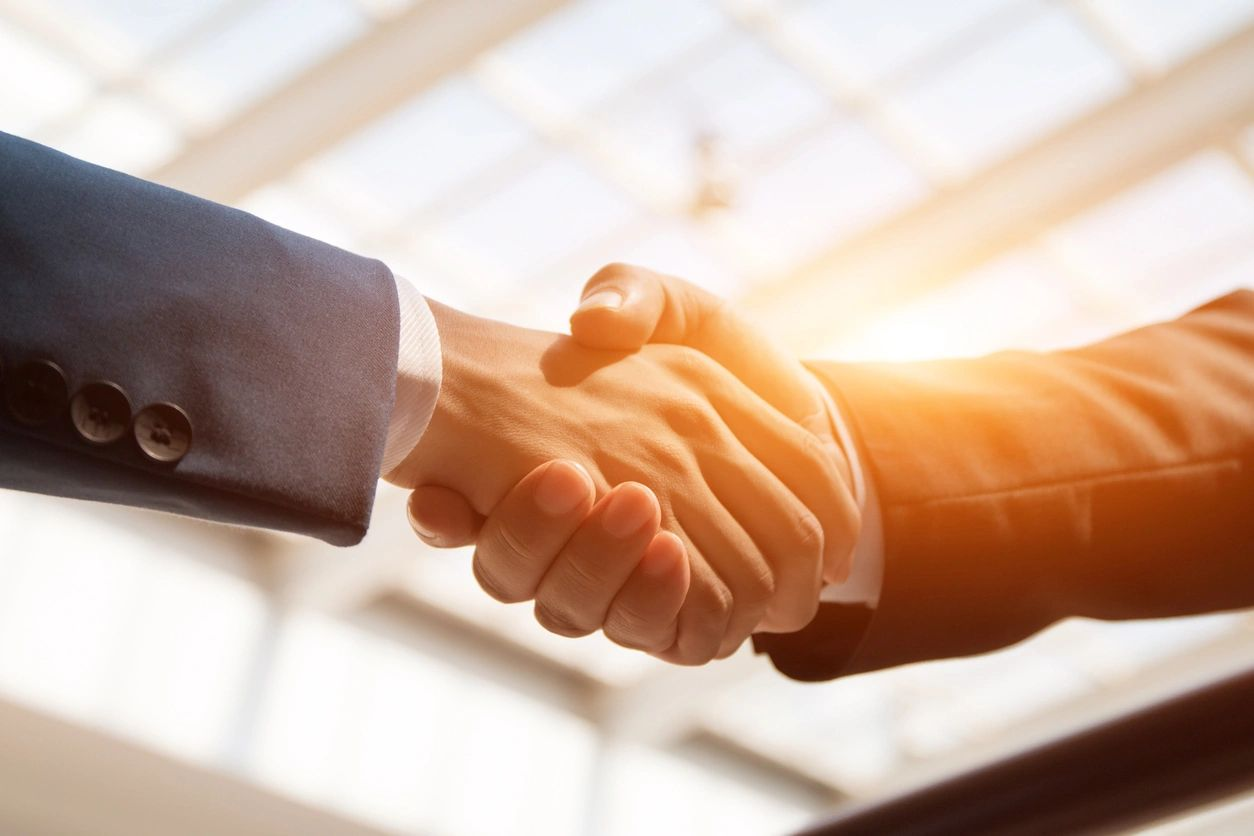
x,y
625,307
442,518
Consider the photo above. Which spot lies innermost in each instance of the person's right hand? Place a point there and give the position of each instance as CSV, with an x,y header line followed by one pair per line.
x,y
625,307
727,468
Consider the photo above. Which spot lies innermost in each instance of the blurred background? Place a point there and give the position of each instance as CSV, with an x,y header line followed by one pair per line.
x,y
887,180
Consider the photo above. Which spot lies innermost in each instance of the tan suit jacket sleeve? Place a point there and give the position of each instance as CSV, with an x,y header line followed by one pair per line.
x,y
1114,481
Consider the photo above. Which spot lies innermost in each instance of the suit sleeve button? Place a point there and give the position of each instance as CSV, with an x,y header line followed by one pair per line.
x,y
101,412
163,432
36,392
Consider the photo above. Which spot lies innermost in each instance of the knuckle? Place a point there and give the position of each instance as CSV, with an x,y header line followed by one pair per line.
x,y
667,454
754,587
628,628
509,547
693,366
558,620
580,578
807,612
797,616
815,457
493,586
852,519
691,418
810,535
713,603
723,603
797,564
762,584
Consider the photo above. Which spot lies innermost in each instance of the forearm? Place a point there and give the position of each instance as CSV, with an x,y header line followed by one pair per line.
x,y
1113,481
280,350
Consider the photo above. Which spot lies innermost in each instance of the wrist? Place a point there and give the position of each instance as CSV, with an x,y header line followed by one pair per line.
x,y
424,457
467,445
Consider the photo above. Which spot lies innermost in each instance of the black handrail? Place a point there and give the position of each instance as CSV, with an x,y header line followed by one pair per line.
x,y
1164,759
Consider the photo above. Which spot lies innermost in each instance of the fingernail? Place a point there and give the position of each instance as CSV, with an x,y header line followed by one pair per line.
x,y
608,299
626,511
660,559
562,487
417,526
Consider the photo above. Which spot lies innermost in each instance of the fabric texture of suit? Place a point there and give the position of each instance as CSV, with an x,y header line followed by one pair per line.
x,y
1114,481
281,350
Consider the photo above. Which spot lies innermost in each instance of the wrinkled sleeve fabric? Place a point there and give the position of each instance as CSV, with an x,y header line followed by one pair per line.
x,y
280,350
1114,481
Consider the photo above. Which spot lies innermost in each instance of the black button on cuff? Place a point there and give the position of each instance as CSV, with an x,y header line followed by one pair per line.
x,y
101,412
36,392
163,432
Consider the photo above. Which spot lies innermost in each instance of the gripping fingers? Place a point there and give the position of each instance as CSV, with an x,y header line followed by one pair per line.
x,y
529,528
576,592
807,466
442,517
703,619
643,615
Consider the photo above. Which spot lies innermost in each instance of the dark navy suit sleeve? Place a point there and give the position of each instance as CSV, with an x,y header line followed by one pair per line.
x,y
279,350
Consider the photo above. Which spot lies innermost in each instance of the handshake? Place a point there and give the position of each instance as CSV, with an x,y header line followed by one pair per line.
x,y
667,475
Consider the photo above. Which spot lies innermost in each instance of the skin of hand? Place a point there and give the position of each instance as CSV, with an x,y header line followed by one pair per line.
x,y
734,478
545,519
625,307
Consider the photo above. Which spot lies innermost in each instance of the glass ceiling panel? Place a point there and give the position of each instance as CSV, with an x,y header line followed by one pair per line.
x,y
122,132
1039,76
834,184
1208,284
291,206
137,28
244,60
593,48
1194,219
1006,303
531,222
411,156
683,251
744,97
677,249
1165,32
872,41
404,255
43,84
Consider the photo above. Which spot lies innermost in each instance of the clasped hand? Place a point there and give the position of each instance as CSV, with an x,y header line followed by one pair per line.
x,y
667,475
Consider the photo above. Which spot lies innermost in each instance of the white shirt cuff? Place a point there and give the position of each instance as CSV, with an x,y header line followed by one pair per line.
x,y
866,573
419,367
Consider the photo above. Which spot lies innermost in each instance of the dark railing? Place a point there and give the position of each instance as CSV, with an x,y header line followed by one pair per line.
x,y
1142,767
